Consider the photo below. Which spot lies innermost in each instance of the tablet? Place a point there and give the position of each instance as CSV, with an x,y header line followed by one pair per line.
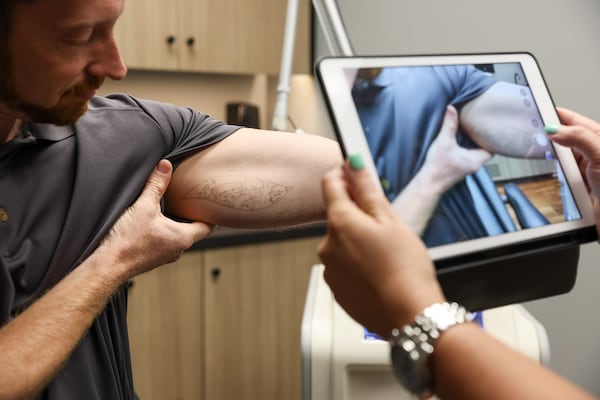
x,y
457,144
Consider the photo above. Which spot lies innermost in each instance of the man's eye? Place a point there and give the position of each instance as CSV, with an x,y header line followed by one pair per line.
x,y
80,37
77,42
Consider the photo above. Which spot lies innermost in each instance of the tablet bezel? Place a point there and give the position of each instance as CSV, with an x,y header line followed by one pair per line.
x,y
335,76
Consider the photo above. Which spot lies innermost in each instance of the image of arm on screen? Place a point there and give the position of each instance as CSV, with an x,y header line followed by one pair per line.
x,y
502,120
373,261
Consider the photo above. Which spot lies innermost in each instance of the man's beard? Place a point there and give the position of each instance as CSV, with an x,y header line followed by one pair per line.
x,y
61,114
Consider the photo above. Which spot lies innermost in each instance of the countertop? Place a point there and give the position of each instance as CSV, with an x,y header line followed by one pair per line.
x,y
223,236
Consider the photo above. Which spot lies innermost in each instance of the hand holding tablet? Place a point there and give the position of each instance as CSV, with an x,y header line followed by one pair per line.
x,y
393,111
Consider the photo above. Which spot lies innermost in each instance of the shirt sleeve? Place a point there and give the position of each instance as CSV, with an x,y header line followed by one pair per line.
x,y
185,130
466,81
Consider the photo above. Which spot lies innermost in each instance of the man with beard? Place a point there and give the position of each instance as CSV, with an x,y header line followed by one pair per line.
x,y
71,163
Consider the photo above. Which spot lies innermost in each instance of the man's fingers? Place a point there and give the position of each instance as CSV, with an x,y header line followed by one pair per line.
x,y
196,230
157,183
479,156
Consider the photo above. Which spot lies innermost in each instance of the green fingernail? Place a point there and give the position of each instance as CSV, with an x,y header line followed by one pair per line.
x,y
551,129
356,162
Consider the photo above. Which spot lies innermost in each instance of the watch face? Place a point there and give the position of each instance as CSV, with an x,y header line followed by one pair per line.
x,y
411,367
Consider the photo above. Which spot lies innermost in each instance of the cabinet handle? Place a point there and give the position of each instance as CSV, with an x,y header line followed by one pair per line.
x,y
215,273
170,39
190,41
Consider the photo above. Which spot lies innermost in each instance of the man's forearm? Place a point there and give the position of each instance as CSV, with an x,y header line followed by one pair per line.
x,y
35,345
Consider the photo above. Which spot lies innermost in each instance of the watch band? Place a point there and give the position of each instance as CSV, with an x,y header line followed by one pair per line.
x,y
412,346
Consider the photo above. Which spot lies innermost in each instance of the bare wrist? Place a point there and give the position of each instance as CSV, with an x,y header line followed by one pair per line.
x,y
108,268
430,181
408,307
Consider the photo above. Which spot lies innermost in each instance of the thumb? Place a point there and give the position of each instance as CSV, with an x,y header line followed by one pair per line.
x,y
159,179
365,192
450,122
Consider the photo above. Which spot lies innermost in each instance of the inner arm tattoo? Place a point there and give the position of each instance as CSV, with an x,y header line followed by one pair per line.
x,y
245,193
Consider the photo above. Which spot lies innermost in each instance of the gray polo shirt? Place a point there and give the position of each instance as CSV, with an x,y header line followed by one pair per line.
x,y
61,189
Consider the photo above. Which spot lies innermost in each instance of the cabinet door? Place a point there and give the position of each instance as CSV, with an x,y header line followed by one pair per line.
x,y
223,36
253,310
235,36
148,34
165,330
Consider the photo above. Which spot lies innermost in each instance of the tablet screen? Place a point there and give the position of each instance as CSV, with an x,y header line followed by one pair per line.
x,y
458,146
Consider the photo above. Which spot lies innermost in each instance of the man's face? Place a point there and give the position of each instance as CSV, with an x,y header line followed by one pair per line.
x,y
57,54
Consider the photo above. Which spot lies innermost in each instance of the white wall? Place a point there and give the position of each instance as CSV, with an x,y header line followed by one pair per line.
x,y
563,35
209,93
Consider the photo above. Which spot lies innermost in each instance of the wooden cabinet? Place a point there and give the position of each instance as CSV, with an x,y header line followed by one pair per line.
x,y
222,323
253,310
223,36
165,315
146,33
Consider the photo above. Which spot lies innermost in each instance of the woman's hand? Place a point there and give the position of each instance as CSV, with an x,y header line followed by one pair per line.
x,y
379,271
582,135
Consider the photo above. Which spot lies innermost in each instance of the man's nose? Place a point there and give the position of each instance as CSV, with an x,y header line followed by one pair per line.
x,y
109,62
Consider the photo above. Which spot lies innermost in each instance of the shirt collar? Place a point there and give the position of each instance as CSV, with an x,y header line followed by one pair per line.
x,y
48,132
383,79
31,133
366,91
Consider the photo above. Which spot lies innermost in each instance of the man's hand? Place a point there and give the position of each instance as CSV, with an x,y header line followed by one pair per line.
x,y
446,160
143,238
